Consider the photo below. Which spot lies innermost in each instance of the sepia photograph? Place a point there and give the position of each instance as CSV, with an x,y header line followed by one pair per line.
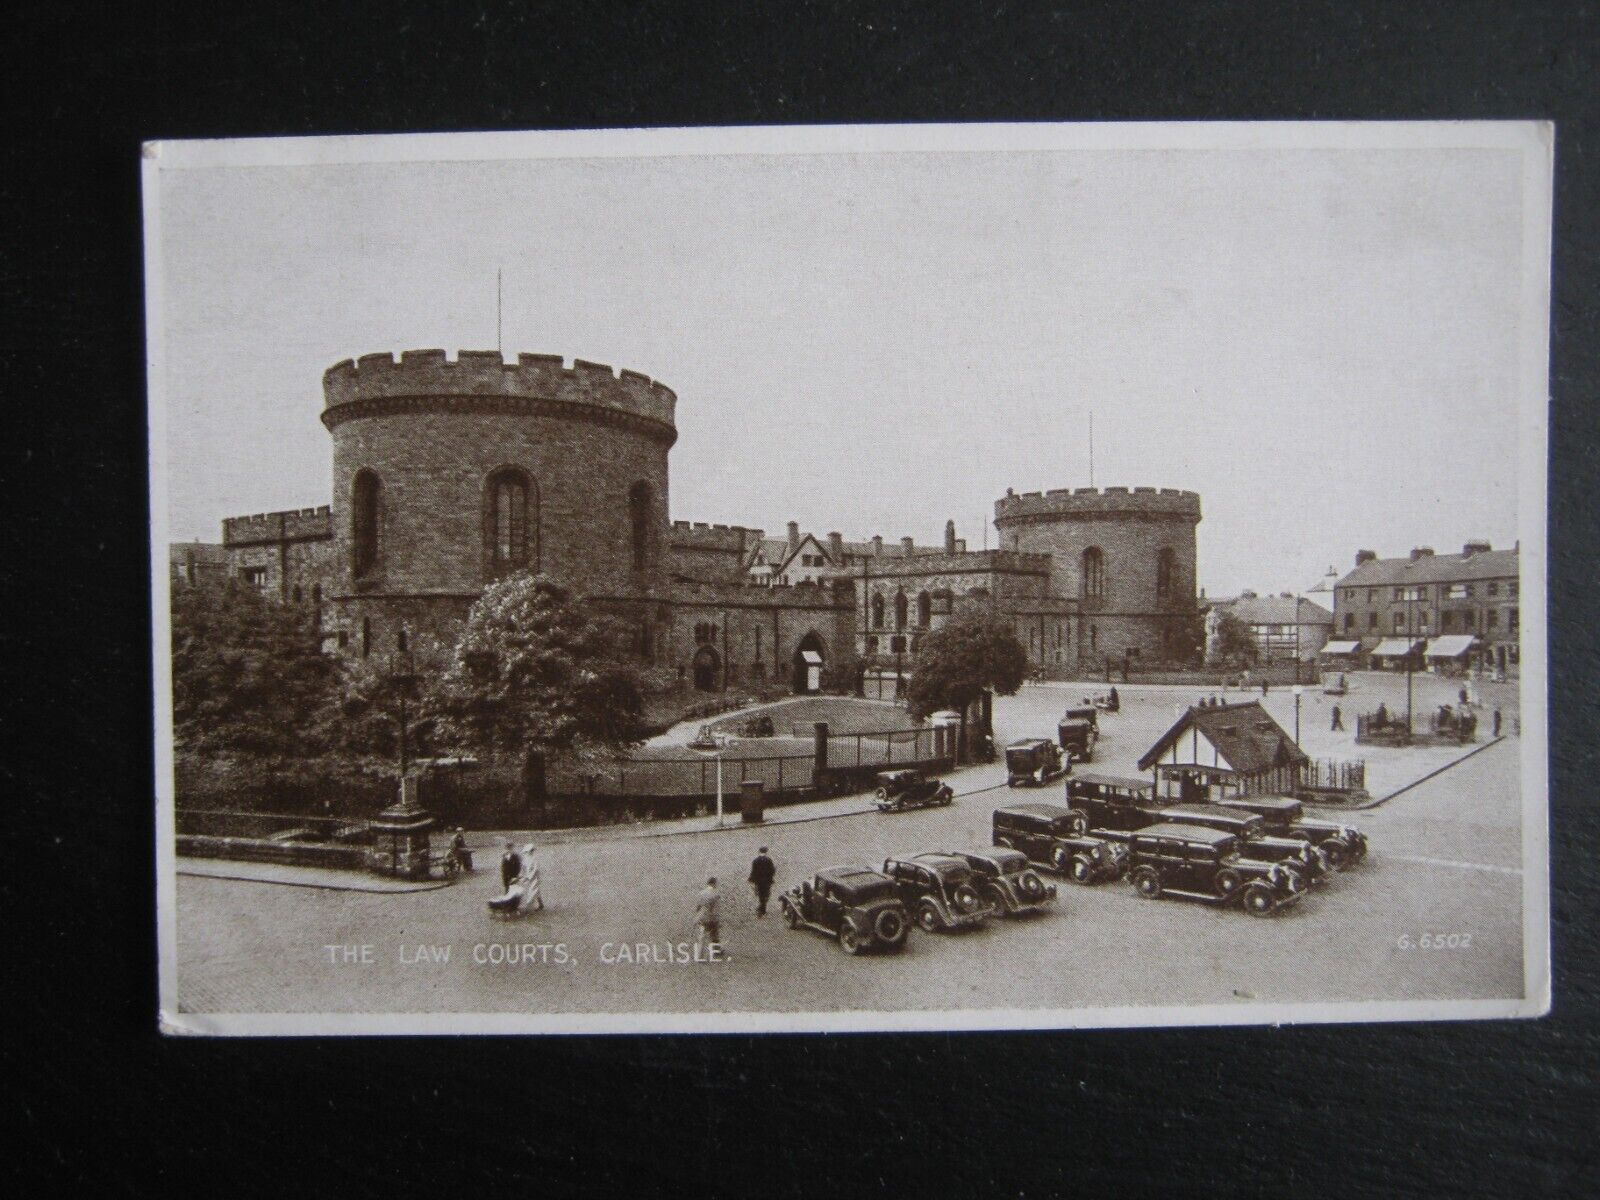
x,y
834,578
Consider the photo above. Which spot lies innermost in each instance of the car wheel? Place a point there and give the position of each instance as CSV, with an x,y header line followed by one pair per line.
x,y
791,917
1258,901
1078,823
928,919
1082,870
1147,883
1061,860
882,795
890,927
1338,857
1226,882
849,939
967,898
1032,887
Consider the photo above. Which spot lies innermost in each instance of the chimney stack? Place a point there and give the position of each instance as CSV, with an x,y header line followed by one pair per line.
x,y
1366,556
1421,552
1472,548
906,545
877,543
949,537
794,534
836,549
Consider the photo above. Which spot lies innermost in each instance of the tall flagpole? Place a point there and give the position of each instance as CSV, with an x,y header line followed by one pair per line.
x,y
499,310
1091,447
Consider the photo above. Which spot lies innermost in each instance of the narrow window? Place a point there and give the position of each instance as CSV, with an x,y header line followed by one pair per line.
x,y
509,520
639,506
298,595
924,610
366,636
400,642
877,610
316,593
365,515
901,606
1094,573
1165,562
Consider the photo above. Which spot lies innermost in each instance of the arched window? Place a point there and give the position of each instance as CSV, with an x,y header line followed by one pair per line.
x,y
877,610
400,642
1094,573
366,503
366,636
901,605
924,610
1166,561
639,521
316,593
298,594
510,520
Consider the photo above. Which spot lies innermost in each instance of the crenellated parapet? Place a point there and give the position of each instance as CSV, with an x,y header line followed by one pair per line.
x,y
378,384
701,535
1070,503
935,562
291,525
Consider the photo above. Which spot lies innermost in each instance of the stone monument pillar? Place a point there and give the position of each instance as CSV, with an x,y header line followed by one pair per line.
x,y
400,836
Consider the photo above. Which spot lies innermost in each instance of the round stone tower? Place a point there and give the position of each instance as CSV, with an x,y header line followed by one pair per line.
x,y
448,474
1127,556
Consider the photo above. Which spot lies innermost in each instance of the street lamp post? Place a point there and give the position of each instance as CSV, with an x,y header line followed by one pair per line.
x,y
717,755
1297,690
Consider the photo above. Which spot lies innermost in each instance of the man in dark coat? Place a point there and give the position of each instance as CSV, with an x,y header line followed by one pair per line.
x,y
1338,718
762,873
510,866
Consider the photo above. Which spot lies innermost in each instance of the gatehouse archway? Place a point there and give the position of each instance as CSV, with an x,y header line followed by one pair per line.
x,y
809,658
707,667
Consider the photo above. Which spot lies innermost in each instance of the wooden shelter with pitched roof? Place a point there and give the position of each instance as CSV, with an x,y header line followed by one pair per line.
x,y
1230,750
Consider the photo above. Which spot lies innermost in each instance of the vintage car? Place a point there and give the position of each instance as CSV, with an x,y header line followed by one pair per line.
x,y
1115,805
857,905
1210,865
1284,816
1033,762
910,788
1054,837
1007,880
939,891
1084,712
1077,737
1310,862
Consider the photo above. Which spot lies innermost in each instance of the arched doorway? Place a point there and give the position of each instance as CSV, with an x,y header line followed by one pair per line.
x,y
808,660
706,667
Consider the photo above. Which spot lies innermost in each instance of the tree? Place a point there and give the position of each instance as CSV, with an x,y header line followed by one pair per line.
x,y
537,674
1231,640
963,658
248,675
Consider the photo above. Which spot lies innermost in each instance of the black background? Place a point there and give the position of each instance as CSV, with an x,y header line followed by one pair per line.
x,y
1497,1108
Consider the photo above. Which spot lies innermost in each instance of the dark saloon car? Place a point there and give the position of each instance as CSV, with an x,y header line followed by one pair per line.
x,y
939,891
1033,762
1007,880
1077,740
1284,816
1115,805
1210,865
1054,837
854,904
910,788
1298,852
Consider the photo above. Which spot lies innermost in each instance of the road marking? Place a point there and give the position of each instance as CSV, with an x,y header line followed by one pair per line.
x,y
1448,862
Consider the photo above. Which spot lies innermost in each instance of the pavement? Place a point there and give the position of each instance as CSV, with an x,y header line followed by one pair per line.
x,y
1446,861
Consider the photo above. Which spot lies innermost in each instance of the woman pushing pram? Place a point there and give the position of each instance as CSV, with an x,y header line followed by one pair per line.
x,y
522,894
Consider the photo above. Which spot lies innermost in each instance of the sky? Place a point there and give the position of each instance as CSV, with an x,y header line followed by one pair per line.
x,y
1324,343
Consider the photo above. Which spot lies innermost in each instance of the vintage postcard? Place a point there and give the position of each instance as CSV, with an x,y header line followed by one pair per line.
x,y
859,578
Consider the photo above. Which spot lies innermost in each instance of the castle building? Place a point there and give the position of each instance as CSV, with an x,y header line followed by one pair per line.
x,y
451,473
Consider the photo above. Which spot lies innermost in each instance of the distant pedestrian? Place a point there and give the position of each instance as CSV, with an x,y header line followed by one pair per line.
x,y
1382,715
1263,687
708,927
1463,697
529,879
1338,719
510,866
762,872
1497,722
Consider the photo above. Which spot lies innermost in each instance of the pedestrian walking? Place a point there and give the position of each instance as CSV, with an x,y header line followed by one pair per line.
x,y
762,872
510,866
1497,722
708,927
1263,687
532,897
1338,719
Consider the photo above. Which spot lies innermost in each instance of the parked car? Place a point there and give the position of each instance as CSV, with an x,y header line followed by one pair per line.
x,y
1007,880
1051,836
1077,739
1084,712
1210,865
939,891
1298,852
910,788
857,905
1114,805
1033,762
1284,816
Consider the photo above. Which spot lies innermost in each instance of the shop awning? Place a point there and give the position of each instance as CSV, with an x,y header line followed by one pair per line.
x,y
1450,646
1394,648
811,658
1341,647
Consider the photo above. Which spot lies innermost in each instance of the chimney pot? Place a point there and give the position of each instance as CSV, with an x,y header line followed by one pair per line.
x,y
905,546
794,534
877,543
950,537
1365,556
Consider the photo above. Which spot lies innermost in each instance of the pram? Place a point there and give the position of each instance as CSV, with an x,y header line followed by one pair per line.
x,y
523,896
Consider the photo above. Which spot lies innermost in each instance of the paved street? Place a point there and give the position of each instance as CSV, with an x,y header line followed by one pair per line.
x,y
1446,859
